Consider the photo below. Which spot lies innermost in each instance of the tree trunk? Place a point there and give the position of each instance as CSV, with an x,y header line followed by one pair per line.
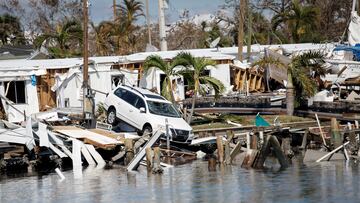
x,y
290,95
192,107
170,89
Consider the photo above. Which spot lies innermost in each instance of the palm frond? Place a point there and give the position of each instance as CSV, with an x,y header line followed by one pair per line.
x,y
214,83
155,61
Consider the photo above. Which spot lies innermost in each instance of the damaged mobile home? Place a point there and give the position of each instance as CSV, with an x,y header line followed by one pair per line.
x,y
31,86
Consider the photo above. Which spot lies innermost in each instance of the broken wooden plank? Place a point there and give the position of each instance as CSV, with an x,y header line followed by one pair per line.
x,y
99,160
57,151
141,154
43,135
87,155
332,152
76,152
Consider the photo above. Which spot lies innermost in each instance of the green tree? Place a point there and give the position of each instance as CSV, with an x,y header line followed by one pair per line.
x,y
66,41
102,35
10,30
303,72
169,69
300,21
124,26
194,74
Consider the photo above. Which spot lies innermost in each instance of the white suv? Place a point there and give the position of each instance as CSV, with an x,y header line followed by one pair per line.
x,y
146,111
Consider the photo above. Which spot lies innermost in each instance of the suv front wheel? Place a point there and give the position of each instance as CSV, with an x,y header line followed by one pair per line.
x,y
111,116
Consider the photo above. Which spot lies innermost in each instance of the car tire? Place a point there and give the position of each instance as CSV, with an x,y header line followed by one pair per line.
x,y
111,117
147,130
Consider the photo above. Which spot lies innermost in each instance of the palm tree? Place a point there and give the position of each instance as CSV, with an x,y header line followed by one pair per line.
x,y
300,20
65,41
169,69
303,72
194,73
127,15
103,33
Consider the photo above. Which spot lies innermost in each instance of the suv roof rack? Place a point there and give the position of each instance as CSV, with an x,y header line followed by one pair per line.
x,y
134,90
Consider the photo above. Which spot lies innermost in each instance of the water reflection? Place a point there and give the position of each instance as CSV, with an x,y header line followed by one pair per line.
x,y
324,182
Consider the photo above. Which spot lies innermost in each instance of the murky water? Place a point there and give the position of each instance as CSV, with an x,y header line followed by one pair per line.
x,y
324,182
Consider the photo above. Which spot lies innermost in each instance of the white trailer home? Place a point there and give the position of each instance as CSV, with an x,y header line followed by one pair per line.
x,y
30,86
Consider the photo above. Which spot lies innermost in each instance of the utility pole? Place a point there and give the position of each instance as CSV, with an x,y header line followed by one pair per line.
x,y
248,51
88,97
163,43
114,9
241,30
148,20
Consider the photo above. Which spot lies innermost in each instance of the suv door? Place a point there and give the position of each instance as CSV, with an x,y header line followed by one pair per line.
x,y
129,110
119,103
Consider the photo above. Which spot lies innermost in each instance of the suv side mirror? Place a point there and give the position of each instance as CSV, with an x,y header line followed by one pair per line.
x,y
142,110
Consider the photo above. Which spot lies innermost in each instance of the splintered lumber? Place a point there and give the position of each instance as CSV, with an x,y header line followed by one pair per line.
x,y
220,149
278,152
141,154
56,141
235,151
336,137
250,156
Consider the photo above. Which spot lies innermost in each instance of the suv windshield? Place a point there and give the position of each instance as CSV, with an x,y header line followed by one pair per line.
x,y
162,109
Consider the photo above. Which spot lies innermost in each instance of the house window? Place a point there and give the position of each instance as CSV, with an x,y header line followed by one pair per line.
x,y
15,91
117,80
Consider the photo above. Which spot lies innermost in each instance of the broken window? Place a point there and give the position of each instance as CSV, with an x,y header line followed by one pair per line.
x,y
117,80
15,91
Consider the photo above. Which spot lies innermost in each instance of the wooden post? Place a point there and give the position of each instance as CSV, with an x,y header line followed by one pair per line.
x,y
278,152
286,148
320,129
353,143
230,135
129,148
227,153
212,163
220,149
261,137
336,137
156,164
254,141
235,151
248,140
149,158
304,141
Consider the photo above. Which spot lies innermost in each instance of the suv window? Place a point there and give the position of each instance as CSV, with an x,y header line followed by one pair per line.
x,y
140,103
129,97
119,92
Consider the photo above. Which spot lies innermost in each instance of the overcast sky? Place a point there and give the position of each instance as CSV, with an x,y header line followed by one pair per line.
x,y
102,9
